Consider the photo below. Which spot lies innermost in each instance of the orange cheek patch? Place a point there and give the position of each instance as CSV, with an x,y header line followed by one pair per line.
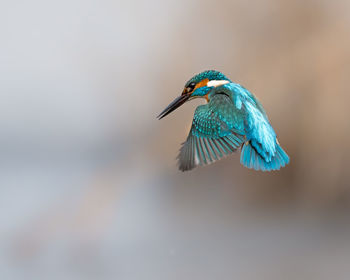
x,y
202,83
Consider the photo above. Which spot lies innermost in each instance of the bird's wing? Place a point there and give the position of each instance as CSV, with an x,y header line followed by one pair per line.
x,y
257,127
214,133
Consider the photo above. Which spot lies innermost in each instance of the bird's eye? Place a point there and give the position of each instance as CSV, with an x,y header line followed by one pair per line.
x,y
191,86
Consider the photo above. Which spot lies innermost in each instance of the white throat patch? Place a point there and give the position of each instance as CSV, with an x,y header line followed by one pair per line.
x,y
216,83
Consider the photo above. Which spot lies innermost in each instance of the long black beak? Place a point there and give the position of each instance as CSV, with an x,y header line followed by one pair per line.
x,y
174,105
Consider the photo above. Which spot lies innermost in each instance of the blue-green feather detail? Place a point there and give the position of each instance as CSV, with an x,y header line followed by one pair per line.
x,y
256,124
215,133
251,158
262,152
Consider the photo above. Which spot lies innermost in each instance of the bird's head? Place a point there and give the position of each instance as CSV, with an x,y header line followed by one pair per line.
x,y
197,86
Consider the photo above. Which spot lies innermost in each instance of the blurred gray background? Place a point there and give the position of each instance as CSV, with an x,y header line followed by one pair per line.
x,y
89,187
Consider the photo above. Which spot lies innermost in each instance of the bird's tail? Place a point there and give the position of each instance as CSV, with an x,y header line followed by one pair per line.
x,y
252,159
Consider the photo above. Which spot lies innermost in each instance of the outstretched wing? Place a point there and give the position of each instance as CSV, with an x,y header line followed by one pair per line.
x,y
217,130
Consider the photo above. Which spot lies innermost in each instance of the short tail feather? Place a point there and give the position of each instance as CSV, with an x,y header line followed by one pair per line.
x,y
251,159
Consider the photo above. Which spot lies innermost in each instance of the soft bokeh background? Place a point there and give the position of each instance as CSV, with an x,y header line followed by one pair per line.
x,y
89,187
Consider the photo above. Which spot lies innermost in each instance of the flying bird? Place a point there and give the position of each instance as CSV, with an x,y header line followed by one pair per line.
x,y
233,118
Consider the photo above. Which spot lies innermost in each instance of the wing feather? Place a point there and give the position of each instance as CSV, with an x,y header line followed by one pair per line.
x,y
215,133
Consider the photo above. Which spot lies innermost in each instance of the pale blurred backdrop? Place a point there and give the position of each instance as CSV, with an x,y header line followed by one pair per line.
x,y
89,187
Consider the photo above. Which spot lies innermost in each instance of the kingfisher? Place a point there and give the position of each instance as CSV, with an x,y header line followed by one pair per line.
x,y
232,118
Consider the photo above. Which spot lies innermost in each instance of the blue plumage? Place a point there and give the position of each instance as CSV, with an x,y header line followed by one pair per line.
x,y
252,159
232,118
